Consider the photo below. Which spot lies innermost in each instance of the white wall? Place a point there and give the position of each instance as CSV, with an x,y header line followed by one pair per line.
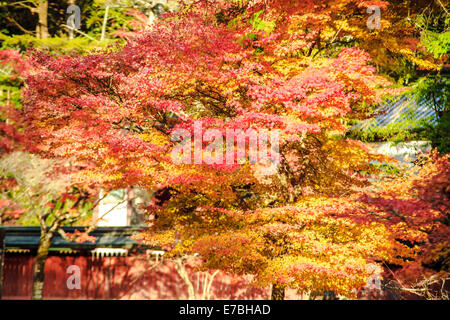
x,y
117,207
403,151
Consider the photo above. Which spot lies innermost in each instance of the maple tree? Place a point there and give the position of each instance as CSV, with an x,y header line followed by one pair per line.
x,y
231,67
34,190
42,191
10,119
415,206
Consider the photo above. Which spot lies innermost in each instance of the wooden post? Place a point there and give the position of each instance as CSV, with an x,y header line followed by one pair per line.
x,y
105,20
277,292
2,258
129,197
42,26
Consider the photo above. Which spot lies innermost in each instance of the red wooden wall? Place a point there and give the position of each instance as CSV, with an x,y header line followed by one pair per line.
x,y
132,277
117,278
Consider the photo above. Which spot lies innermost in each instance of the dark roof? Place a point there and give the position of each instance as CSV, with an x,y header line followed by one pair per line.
x,y
106,237
397,109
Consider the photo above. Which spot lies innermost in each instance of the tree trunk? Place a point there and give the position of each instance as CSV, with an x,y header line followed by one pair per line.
x,y
42,26
105,21
2,258
41,257
182,272
277,292
71,33
129,196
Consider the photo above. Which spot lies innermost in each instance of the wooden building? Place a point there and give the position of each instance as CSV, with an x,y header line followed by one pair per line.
x,y
114,267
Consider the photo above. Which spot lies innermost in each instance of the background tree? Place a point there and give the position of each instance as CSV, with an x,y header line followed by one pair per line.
x,y
43,192
35,190
35,7
415,205
434,25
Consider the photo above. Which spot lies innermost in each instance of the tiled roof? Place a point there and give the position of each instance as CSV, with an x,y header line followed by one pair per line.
x,y
398,109
106,237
